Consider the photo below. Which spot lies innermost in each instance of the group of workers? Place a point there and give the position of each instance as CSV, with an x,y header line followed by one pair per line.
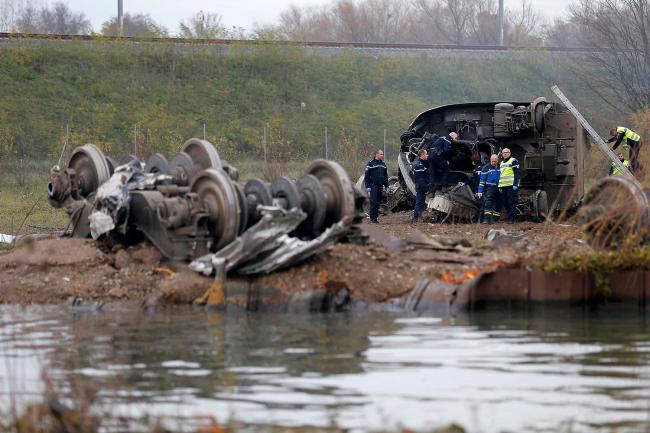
x,y
495,184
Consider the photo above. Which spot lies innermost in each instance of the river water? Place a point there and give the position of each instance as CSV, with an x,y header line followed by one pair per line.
x,y
555,370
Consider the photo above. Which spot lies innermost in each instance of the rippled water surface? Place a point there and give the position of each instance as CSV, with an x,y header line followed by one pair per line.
x,y
548,370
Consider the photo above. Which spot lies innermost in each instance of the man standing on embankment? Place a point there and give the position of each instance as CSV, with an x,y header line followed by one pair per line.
x,y
376,180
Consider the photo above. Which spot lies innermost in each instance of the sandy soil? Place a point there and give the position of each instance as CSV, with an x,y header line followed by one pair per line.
x,y
51,271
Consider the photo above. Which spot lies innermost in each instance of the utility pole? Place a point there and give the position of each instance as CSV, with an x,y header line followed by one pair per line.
x,y
120,17
501,23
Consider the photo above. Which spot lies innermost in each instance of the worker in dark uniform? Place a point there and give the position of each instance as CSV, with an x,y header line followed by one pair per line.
x,y
509,184
439,162
421,179
628,140
488,191
614,170
376,180
476,171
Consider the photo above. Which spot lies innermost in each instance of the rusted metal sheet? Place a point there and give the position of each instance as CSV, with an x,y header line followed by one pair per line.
x,y
557,287
627,285
506,285
438,298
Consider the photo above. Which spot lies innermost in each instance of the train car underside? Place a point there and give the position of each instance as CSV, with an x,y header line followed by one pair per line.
x,y
543,136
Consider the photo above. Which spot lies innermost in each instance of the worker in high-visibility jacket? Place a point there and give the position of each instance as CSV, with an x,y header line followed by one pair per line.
x,y
509,184
614,170
628,140
488,190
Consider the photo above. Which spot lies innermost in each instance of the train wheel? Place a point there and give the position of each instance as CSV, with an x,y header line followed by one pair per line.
x,y
218,196
91,168
203,154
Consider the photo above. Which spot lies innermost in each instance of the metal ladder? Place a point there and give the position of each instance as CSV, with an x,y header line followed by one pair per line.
x,y
601,143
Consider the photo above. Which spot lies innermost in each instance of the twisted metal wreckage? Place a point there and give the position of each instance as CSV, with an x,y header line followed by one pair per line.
x,y
545,137
193,208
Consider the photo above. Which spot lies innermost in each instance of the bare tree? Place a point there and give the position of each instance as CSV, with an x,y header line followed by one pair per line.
x,y
387,20
28,21
420,21
55,19
562,33
134,25
620,71
522,24
59,19
203,26
449,17
9,13
314,23
484,25
460,21
351,23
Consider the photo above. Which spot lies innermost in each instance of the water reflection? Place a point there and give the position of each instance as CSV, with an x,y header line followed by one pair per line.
x,y
537,370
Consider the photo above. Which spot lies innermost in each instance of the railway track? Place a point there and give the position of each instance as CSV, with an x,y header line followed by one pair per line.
x,y
313,44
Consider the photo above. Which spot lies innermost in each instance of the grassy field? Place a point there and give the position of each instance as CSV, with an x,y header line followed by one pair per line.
x,y
24,208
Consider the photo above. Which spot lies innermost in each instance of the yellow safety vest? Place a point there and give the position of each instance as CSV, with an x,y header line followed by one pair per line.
x,y
507,176
629,135
617,171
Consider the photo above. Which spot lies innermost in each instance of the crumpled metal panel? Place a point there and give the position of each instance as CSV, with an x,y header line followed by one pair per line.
x,y
263,236
267,247
292,251
112,196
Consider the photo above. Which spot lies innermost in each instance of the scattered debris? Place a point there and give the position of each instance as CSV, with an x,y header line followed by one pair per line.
x,y
501,236
79,305
391,243
6,239
164,271
419,239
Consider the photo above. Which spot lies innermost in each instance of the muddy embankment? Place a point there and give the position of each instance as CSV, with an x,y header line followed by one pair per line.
x,y
51,271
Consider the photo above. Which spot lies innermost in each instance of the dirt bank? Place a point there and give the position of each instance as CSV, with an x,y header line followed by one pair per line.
x,y
53,270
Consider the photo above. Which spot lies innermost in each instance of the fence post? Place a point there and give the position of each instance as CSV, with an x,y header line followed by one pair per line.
x,y
204,135
326,143
65,144
385,156
135,139
264,144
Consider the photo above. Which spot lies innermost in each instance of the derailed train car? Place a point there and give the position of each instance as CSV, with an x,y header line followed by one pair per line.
x,y
544,136
193,208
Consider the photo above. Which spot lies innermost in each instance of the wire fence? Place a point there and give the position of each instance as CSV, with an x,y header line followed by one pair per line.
x,y
272,155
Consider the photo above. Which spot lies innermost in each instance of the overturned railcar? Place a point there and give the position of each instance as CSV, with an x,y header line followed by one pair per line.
x,y
544,136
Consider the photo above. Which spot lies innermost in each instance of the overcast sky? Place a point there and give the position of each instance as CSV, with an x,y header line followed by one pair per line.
x,y
240,13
